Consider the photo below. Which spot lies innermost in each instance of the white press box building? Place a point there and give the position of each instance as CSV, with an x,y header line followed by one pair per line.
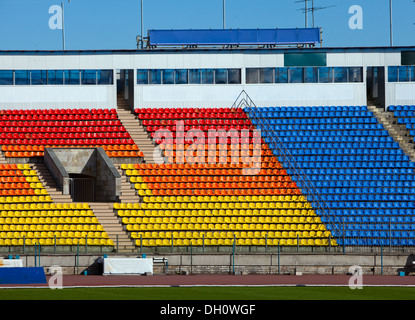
x,y
178,77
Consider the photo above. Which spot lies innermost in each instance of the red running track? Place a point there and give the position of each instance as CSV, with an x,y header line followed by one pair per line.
x,y
223,280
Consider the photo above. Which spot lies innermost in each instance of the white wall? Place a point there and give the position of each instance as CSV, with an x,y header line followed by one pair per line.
x,y
220,96
400,93
58,97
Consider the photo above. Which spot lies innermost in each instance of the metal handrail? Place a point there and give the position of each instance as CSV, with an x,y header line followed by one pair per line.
x,y
299,173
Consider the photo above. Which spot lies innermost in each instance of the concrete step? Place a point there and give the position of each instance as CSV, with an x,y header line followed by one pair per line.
x,y
137,131
112,225
50,184
398,132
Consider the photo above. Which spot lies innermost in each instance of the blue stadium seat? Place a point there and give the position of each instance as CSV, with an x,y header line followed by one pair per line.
x,y
357,168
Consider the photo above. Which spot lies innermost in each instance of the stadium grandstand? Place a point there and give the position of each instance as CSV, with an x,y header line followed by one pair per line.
x,y
237,141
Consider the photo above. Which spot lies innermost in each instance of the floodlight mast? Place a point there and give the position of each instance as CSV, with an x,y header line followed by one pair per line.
x,y
63,25
142,24
224,26
390,22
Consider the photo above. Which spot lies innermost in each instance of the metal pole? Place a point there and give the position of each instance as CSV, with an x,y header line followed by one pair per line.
x,y
35,255
390,20
63,27
77,259
233,254
343,237
381,259
312,10
306,13
224,26
142,25
191,257
278,256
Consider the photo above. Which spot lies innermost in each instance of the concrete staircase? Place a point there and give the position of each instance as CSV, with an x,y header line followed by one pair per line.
x,y
103,211
128,193
137,131
397,131
112,225
50,184
3,159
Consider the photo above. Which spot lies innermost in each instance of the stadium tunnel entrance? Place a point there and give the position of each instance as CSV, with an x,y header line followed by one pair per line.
x,y
87,174
82,187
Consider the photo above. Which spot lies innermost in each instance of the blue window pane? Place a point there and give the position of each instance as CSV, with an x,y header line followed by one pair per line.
x,y
55,77
89,76
22,77
340,74
325,75
38,77
105,77
403,74
281,75
194,76
207,76
72,77
181,76
142,76
221,76
311,75
6,77
168,76
295,75
154,76
393,74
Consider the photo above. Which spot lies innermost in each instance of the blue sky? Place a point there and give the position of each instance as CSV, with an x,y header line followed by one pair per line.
x,y
114,24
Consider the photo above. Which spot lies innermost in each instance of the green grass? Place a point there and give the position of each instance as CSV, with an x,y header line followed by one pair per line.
x,y
212,293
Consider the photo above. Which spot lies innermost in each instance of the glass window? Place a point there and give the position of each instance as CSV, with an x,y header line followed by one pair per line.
x,y
22,77
181,76
295,75
55,77
393,74
194,76
355,74
234,76
154,76
266,75
207,76
38,77
252,75
6,77
281,75
105,77
340,74
311,75
221,76
72,77
142,76
89,76
412,73
168,76
403,74
325,75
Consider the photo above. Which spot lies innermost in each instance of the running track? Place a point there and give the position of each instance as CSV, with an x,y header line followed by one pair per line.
x,y
222,280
